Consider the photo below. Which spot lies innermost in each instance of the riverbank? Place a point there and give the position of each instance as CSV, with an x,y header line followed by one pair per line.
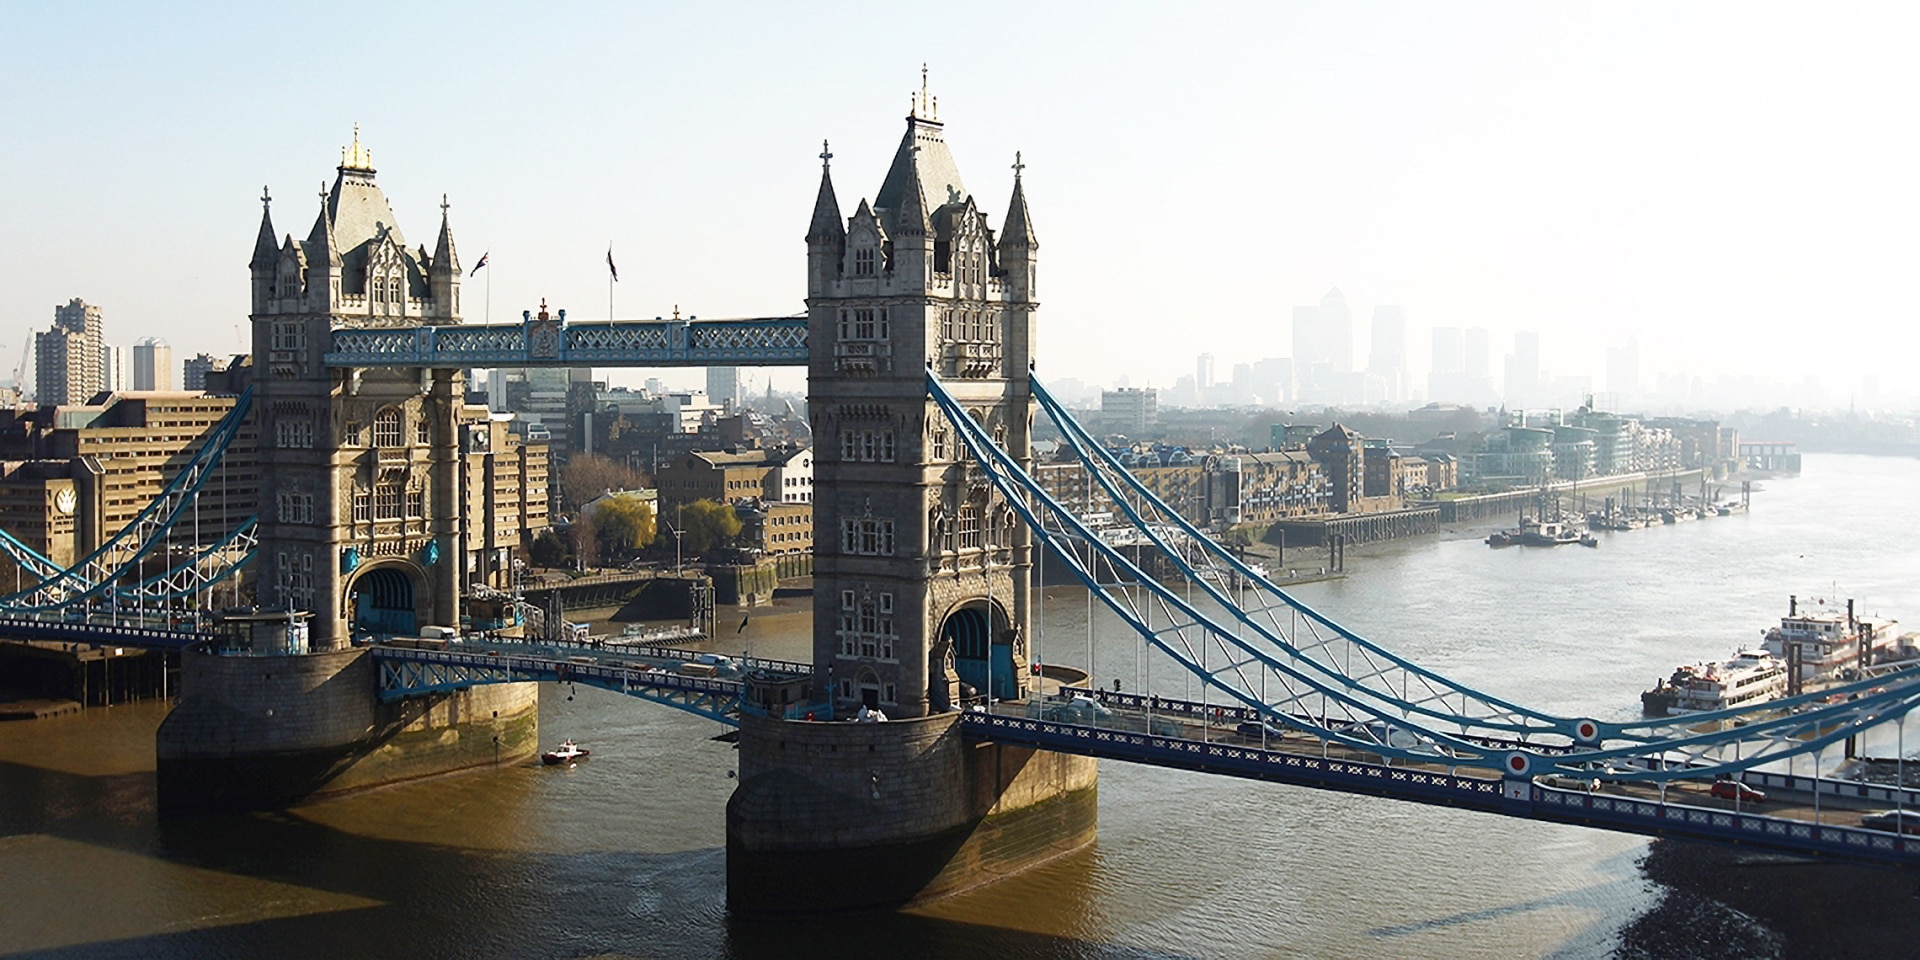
x,y
1729,902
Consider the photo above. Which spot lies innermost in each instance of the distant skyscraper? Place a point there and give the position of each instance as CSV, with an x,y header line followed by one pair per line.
x,y
1324,334
152,364
1323,350
1387,359
193,373
68,368
1523,370
1446,351
1203,372
1623,370
113,368
1476,353
723,386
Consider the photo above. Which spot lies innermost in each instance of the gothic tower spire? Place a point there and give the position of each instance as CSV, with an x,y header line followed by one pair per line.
x,y
323,258
443,271
266,255
826,234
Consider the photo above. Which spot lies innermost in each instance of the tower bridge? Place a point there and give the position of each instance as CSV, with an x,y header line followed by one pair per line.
x,y
384,498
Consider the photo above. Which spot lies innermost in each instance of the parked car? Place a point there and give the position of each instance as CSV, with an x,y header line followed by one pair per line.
x,y
1562,782
1735,790
1893,821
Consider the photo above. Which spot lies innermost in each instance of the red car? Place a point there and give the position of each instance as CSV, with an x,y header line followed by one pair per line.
x,y
1735,790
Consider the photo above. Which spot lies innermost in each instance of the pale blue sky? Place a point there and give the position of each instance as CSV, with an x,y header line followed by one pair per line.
x,y
1732,183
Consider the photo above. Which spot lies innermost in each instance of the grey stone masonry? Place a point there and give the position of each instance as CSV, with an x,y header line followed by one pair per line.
x,y
908,541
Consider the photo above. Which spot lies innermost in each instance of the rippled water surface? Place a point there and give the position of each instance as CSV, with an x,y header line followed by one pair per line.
x,y
622,855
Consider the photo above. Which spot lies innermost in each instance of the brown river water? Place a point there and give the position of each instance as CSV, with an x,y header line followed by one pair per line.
x,y
622,856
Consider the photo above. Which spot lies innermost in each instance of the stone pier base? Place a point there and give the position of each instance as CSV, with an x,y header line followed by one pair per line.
x,y
841,816
265,732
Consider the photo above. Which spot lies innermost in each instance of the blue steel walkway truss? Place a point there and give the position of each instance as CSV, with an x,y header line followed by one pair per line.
x,y
758,342
407,672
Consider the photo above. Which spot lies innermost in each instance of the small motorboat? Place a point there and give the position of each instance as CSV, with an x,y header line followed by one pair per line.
x,y
568,753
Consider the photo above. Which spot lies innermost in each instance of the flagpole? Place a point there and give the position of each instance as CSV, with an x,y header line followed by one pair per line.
x,y
611,276
489,293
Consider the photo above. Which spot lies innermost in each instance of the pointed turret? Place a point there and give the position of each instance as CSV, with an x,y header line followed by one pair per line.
x,y
827,225
323,260
826,234
1018,232
444,259
1018,246
443,271
265,250
266,254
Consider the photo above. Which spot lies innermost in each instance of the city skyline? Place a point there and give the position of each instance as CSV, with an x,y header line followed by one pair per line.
x,y
1730,189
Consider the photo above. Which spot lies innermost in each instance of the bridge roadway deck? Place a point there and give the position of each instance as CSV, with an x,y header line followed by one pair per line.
x,y
154,636
658,674
1791,821
1802,815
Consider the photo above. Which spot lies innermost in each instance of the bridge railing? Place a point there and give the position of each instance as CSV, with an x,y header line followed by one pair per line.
x,y
1490,794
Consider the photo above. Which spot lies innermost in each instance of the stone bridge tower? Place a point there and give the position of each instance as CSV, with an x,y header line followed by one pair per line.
x,y
359,468
921,570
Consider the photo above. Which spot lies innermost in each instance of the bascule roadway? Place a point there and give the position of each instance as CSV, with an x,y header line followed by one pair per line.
x,y
1208,738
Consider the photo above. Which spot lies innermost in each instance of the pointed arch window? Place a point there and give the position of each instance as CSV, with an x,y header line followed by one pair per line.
x,y
386,428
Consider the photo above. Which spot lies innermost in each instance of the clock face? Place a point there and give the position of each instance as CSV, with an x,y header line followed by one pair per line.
x,y
63,501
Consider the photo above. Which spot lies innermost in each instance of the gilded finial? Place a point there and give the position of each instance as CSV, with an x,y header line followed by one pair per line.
x,y
443,202
265,197
356,157
826,155
676,311
1017,165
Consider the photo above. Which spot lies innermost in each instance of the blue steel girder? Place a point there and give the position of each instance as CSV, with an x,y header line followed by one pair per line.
x,y
1521,799
1349,716
755,342
406,672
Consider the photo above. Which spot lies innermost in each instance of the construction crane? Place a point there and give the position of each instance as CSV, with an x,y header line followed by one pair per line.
x,y
20,369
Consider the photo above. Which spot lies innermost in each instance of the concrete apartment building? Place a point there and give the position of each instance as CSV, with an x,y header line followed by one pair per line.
x,y
68,364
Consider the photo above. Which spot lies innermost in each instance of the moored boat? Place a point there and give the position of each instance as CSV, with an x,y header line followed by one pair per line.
x,y
1829,640
1751,676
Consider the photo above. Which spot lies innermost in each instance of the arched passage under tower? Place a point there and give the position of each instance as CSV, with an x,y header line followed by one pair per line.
x,y
981,638
385,601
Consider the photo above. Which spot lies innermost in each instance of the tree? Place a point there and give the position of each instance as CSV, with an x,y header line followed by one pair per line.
x,y
586,541
587,475
626,523
547,549
705,524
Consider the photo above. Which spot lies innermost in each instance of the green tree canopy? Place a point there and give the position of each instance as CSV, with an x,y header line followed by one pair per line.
x,y
547,549
705,524
626,523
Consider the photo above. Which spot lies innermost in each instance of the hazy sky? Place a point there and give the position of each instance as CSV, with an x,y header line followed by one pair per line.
x,y
1732,183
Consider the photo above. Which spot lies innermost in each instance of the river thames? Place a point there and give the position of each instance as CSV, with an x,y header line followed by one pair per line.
x,y
622,856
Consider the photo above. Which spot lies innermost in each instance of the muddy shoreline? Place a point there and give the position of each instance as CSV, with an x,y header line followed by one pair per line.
x,y
1733,902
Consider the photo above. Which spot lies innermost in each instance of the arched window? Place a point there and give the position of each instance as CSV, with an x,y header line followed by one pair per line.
x,y
386,428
